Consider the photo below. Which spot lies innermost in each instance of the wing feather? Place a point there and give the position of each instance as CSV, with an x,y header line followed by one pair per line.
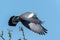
x,y
37,28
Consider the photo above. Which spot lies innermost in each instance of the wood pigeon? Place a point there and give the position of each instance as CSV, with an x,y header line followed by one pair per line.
x,y
29,20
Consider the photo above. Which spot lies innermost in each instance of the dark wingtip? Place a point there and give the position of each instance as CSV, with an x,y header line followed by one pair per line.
x,y
44,31
10,21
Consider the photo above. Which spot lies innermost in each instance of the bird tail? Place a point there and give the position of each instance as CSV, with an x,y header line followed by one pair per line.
x,y
13,21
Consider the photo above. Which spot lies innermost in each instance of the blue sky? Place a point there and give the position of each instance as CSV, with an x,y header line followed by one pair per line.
x,y
47,11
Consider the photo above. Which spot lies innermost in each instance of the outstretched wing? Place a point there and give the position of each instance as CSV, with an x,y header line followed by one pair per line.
x,y
35,25
38,28
28,17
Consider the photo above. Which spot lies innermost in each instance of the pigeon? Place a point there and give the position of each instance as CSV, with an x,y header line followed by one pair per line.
x,y
30,21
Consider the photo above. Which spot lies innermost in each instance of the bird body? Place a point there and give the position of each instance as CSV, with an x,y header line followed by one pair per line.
x,y
29,20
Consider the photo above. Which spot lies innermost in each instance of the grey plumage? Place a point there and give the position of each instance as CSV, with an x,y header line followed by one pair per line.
x,y
31,21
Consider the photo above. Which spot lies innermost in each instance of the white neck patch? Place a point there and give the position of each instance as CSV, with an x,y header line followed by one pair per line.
x,y
31,15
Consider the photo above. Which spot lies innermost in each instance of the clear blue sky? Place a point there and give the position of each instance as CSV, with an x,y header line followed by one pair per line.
x,y
47,10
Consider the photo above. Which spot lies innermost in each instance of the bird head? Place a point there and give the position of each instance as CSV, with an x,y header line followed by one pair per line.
x,y
13,21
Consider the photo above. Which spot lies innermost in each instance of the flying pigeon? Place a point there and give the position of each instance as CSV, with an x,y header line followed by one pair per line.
x,y
30,21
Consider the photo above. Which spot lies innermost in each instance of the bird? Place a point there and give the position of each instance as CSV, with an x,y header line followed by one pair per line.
x,y
30,21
